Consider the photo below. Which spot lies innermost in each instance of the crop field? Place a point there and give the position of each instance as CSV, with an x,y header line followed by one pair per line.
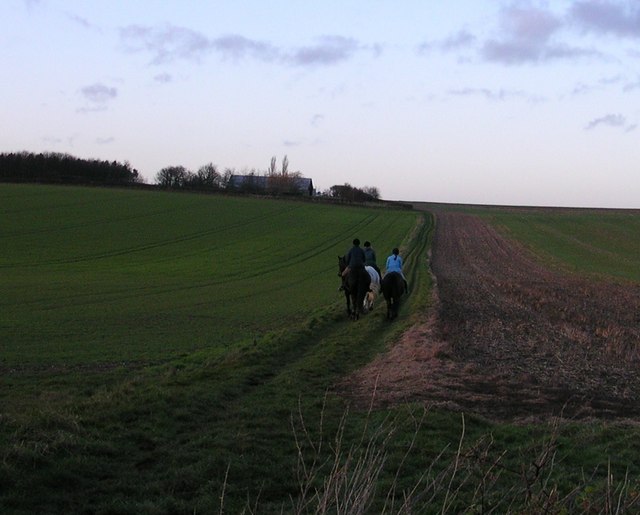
x,y
596,242
181,353
157,340
93,275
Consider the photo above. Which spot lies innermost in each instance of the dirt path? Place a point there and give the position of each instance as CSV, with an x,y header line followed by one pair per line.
x,y
509,339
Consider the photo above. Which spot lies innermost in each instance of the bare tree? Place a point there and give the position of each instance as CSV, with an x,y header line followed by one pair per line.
x,y
272,171
208,176
172,177
372,191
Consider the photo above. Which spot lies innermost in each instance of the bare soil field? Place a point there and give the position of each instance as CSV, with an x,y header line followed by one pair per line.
x,y
509,339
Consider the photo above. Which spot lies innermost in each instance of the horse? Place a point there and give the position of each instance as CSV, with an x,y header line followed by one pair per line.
x,y
374,289
392,290
355,286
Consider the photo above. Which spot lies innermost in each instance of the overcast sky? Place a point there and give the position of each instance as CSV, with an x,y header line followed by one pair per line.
x,y
464,101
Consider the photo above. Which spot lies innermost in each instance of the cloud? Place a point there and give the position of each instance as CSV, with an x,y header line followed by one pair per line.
x,y
487,93
610,120
605,17
316,120
105,141
236,47
99,93
171,43
163,78
83,22
460,40
166,44
52,139
496,96
329,50
528,36
631,86
95,109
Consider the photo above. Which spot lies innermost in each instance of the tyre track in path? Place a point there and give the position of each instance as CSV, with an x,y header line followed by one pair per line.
x,y
510,339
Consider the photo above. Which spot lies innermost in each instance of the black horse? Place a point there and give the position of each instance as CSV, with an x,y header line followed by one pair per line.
x,y
355,285
392,287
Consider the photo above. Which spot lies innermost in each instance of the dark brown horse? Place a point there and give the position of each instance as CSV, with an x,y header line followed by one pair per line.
x,y
355,285
392,287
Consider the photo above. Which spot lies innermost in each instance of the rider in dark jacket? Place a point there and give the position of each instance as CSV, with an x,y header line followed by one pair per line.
x,y
355,258
370,257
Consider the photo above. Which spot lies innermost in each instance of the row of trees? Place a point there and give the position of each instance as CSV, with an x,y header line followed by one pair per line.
x,y
352,194
54,167
206,178
63,168
209,177
274,181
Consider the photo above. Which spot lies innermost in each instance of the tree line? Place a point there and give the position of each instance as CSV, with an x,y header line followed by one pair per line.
x,y
52,167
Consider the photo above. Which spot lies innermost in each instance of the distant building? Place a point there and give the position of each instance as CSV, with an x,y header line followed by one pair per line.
x,y
276,184
304,185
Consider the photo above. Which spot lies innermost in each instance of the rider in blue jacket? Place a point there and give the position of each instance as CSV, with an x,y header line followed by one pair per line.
x,y
394,264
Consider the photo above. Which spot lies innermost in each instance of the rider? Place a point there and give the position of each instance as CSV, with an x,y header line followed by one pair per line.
x,y
394,264
370,257
355,258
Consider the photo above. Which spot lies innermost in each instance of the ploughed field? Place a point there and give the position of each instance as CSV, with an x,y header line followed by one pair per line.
x,y
511,338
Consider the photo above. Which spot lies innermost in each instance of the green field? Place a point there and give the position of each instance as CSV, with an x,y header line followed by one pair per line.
x,y
99,275
132,318
605,243
597,242
179,353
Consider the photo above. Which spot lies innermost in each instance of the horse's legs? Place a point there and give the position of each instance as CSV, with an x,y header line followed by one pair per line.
x,y
356,308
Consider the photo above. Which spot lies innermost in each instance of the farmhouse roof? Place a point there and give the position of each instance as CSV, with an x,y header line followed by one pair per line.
x,y
302,184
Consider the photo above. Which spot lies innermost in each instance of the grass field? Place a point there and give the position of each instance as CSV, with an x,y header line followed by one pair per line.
x,y
602,242
143,331
177,353
605,243
97,275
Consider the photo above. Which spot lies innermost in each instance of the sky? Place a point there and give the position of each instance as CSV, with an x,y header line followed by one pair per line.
x,y
531,103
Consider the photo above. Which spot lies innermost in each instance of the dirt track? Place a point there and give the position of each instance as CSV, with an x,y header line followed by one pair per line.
x,y
509,339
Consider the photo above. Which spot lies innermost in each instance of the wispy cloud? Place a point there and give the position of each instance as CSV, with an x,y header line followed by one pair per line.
x,y
495,95
328,50
83,22
620,18
603,83
237,47
316,120
105,141
609,120
170,43
631,86
52,140
483,92
163,78
166,44
528,36
458,41
99,93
